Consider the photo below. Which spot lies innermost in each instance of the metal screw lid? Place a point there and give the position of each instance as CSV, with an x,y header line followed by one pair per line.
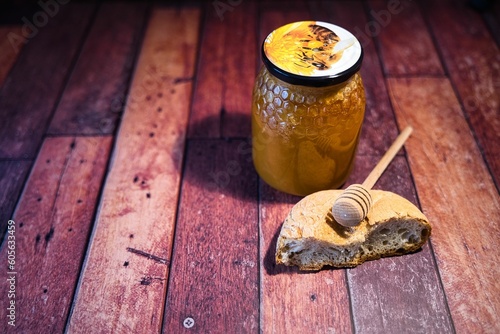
x,y
312,53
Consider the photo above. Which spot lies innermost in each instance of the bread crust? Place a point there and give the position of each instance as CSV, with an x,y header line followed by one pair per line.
x,y
310,238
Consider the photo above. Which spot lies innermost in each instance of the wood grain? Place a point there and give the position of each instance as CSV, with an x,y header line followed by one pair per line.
x,y
95,94
214,276
384,292
465,233
399,294
121,290
130,271
11,43
291,301
379,127
53,221
472,59
27,99
241,50
204,120
12,177
226,71
406,46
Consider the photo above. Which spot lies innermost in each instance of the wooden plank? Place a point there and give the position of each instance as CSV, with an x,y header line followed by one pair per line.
x,y
291,301
466,228
241,50
27,99
12,177
204,120
95,94
400,294
126,268
214,276
226,71
406,47
379,127
473,61
9,49
52,225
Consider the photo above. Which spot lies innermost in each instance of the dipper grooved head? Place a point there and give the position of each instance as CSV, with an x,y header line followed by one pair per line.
x,y
352,206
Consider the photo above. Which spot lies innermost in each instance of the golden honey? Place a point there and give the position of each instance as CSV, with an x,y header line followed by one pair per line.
x,y
306,127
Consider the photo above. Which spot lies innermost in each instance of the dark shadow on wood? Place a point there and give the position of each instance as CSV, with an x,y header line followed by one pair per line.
x,y
221,164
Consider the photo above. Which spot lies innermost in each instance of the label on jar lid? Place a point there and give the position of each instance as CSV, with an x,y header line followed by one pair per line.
x,y
312,53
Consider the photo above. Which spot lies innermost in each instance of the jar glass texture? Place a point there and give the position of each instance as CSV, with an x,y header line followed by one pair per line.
x,y
305,138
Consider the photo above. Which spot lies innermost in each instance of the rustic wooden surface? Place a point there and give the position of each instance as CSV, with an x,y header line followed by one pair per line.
x,y
125,163
33,87
139,200
10,46
95,93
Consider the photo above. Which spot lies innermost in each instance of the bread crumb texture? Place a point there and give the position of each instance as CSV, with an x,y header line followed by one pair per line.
x,y
310,238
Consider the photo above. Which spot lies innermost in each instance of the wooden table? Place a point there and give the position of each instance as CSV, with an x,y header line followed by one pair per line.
x,y
129,202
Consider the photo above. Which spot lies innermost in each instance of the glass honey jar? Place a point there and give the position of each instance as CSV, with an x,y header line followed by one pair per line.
x,y
308,107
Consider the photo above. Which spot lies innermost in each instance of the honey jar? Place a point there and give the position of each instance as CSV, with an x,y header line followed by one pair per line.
x,y
308,107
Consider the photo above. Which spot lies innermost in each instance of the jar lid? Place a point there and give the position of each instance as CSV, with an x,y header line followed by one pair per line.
x,y
312,53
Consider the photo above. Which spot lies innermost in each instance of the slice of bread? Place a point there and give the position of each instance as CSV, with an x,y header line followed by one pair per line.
x,y
310,238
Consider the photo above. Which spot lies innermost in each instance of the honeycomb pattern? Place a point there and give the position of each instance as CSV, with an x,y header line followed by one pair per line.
x,y
304,138
300,111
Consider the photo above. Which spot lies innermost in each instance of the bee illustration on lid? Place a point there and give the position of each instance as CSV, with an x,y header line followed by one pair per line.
x,y
304,48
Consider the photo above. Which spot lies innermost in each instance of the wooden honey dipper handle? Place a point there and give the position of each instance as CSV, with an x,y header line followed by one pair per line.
x,y
355,202
372,178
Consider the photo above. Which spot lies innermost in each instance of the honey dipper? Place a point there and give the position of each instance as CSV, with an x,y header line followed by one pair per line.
x,y
355,202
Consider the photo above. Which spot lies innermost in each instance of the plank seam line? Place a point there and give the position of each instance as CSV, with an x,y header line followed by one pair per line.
x,y
29,172
197,63
222,111
49,120
99,197
141,32
84,38
260,290
458,96
351,305
394,103
90,236
429,243
59,182
71,68
438,272
194,81
375,40
378,52
174,235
